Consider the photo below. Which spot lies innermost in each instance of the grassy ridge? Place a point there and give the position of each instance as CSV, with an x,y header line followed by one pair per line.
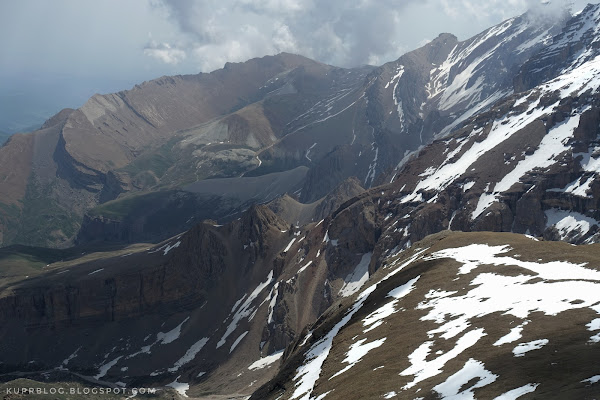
x,y
129,204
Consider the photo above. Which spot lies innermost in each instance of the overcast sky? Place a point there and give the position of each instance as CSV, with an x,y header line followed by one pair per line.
x,y
55,54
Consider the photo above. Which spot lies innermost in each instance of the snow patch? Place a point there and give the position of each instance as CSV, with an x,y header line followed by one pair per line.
x,y
372,169
272,303
451,387
376,318
72,356
569,223
523,348
512,336
518,392
357,278
189,355
356,352
266,361
592,326
96,271
304,267
475,255
172,335
399,73
308,152
422,369
289,245
180,387
245,310
592,380
104,368
169,248
237,341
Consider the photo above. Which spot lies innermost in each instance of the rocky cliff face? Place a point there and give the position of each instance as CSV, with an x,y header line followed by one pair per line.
x,y
228,297
124,301
518,167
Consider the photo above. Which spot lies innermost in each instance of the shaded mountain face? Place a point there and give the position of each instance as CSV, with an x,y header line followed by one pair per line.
x,y
153,215
264,116
146,312
233,296
316,292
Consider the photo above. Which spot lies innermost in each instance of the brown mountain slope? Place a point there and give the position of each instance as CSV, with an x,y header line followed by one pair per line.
x,y
469,315
119,142
110,130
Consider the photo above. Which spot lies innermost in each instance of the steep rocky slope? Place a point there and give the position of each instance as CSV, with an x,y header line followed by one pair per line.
x,y
213,308
527,165
429,92
148,311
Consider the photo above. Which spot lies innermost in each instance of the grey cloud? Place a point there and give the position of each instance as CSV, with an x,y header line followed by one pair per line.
x,y
165,52
340,32
549,10
503,9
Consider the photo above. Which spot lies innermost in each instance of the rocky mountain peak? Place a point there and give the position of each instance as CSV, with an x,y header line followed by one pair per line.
x,y
436,51
59,118
257,222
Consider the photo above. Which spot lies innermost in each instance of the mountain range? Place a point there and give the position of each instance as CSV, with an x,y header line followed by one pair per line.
x,y
285,229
